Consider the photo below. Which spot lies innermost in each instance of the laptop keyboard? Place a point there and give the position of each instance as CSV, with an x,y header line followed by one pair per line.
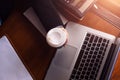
x,y
90,58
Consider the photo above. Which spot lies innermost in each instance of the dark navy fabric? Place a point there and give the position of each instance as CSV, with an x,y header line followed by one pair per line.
x,y
6,7
47,14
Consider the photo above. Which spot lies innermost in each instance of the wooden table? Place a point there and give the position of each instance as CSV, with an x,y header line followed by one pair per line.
x,y
32,48
29,43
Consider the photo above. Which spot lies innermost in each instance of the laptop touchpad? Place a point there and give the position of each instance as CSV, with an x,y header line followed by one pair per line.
x,y
64,56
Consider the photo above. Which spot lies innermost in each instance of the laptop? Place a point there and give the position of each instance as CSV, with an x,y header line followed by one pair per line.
x,y
89,54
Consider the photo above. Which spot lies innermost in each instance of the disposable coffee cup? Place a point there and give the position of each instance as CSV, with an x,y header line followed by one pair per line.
x,y
57,37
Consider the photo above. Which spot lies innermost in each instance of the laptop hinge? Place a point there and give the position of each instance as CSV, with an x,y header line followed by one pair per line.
x,y
104,75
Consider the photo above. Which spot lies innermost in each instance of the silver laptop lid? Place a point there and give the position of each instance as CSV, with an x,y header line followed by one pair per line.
x,y
11,67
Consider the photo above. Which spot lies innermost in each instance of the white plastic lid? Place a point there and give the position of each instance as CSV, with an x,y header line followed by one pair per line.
x,y
57,37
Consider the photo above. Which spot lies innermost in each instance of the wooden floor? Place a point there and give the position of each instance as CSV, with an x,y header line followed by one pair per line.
x,y
32,48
